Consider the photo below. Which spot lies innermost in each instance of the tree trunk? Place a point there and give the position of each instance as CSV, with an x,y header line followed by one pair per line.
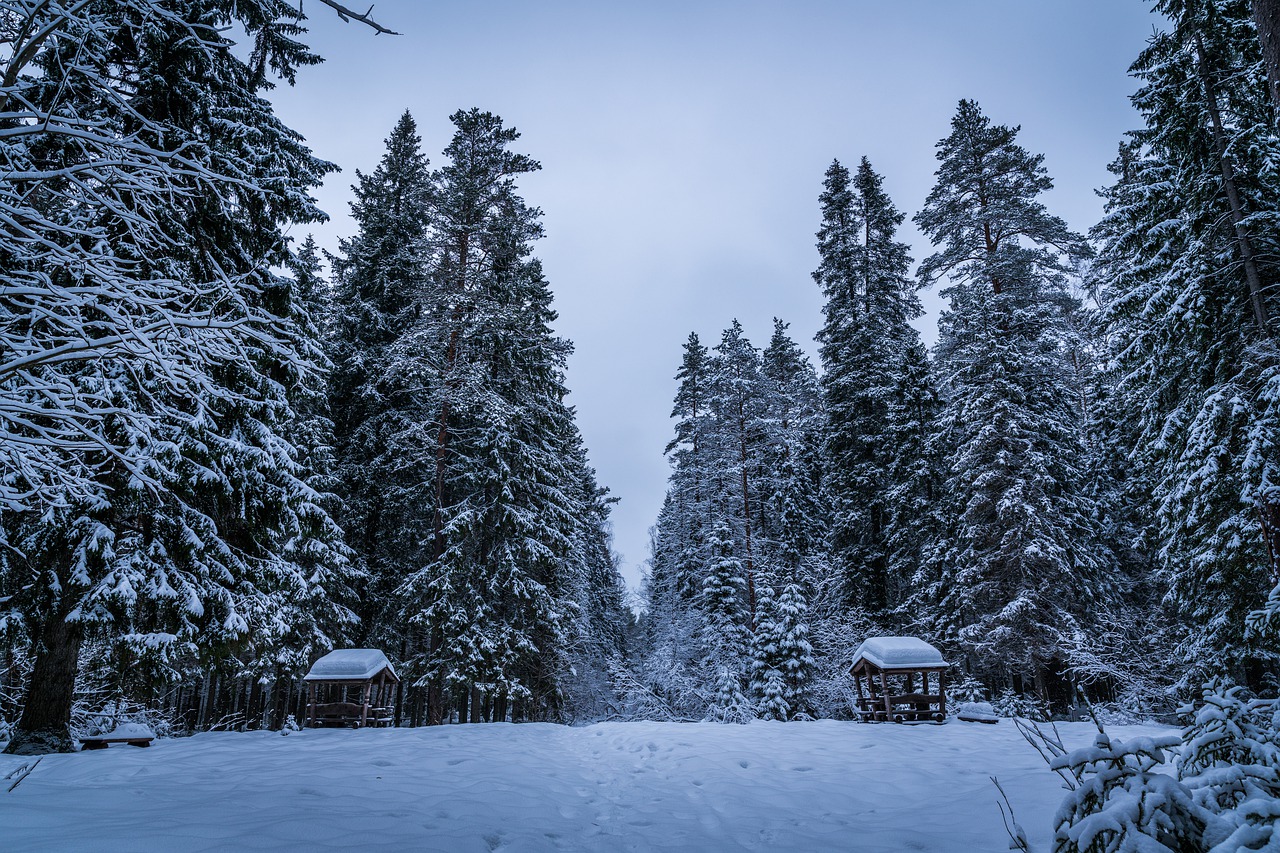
x,y
404,649
45,725
500,708
1243,240
746,517
1266,13
475,704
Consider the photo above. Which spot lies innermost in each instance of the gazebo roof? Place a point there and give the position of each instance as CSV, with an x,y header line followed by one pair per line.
x,y
350,665
899,653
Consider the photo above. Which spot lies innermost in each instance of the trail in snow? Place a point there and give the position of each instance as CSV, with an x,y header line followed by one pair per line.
x,y
803,787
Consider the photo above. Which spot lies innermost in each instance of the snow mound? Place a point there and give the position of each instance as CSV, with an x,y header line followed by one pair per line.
x,y
134,730
353,664
899,653
977,712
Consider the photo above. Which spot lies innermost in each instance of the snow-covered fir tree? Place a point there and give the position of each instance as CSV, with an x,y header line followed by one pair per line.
x,y
1188,249
1015,568
866,341
381,419
737,405
188,518
499,586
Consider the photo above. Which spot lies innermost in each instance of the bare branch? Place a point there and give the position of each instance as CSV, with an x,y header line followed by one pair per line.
x,y
348,15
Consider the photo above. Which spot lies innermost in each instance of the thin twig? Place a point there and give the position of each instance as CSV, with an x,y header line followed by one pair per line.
x,y
1017,838
23,775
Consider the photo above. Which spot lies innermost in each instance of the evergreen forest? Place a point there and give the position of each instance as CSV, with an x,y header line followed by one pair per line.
x,y
225,451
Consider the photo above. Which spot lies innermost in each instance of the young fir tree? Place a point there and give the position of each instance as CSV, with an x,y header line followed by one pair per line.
x,y
198,518
866,341
1188,266
1014,571
782,657
724,631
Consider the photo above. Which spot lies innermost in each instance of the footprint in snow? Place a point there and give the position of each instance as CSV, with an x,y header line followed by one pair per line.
x,y
454,762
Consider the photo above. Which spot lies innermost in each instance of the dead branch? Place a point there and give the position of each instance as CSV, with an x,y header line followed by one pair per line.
x,y
348,16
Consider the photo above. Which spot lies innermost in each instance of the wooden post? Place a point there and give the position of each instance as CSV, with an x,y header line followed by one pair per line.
x,y
888,705
364,704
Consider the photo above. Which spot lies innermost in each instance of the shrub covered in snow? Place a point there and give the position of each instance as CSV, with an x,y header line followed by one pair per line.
x,y
1214,788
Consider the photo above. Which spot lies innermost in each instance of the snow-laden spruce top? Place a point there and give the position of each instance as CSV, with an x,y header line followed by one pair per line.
x,y
899,653
353,664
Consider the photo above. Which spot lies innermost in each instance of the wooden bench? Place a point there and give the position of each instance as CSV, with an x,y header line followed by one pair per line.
x,y
102,742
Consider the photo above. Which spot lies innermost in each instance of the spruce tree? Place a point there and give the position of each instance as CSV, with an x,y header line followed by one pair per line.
x,y
196,519
375,398
865,344
791,512
496,591
737,403
1187,267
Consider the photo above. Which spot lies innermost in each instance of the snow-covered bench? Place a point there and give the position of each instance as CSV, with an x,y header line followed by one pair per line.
x,y
134,734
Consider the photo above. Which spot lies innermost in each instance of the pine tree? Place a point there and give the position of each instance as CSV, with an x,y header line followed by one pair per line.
x,y
791,510
1012,576
681,539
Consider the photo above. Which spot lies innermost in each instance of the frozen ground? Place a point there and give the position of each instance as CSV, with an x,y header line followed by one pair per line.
x,y
803,787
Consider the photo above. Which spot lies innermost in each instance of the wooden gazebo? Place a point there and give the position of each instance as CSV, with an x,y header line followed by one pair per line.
x,y
343,675
886,670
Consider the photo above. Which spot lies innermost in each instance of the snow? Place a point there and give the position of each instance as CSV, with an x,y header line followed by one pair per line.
x,y
767,786
977,712
354,664
899,653
134,730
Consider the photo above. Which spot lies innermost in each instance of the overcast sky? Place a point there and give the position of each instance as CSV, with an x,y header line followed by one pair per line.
x,y
683,146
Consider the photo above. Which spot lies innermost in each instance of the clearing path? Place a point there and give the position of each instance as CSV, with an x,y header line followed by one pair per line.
x,y
700,788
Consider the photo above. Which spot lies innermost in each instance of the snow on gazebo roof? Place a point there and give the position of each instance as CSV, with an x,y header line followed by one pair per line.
x,y
899,653
350,665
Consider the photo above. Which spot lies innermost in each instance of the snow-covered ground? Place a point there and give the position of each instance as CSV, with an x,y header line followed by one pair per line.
x,y
611,787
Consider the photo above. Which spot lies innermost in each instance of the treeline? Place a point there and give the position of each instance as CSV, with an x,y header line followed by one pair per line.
x,y
215,465
1074,494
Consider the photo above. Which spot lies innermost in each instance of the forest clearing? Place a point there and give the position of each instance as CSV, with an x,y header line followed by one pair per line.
x,y
639,786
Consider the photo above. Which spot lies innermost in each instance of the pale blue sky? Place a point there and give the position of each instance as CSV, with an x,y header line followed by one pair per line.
x,y
683,146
